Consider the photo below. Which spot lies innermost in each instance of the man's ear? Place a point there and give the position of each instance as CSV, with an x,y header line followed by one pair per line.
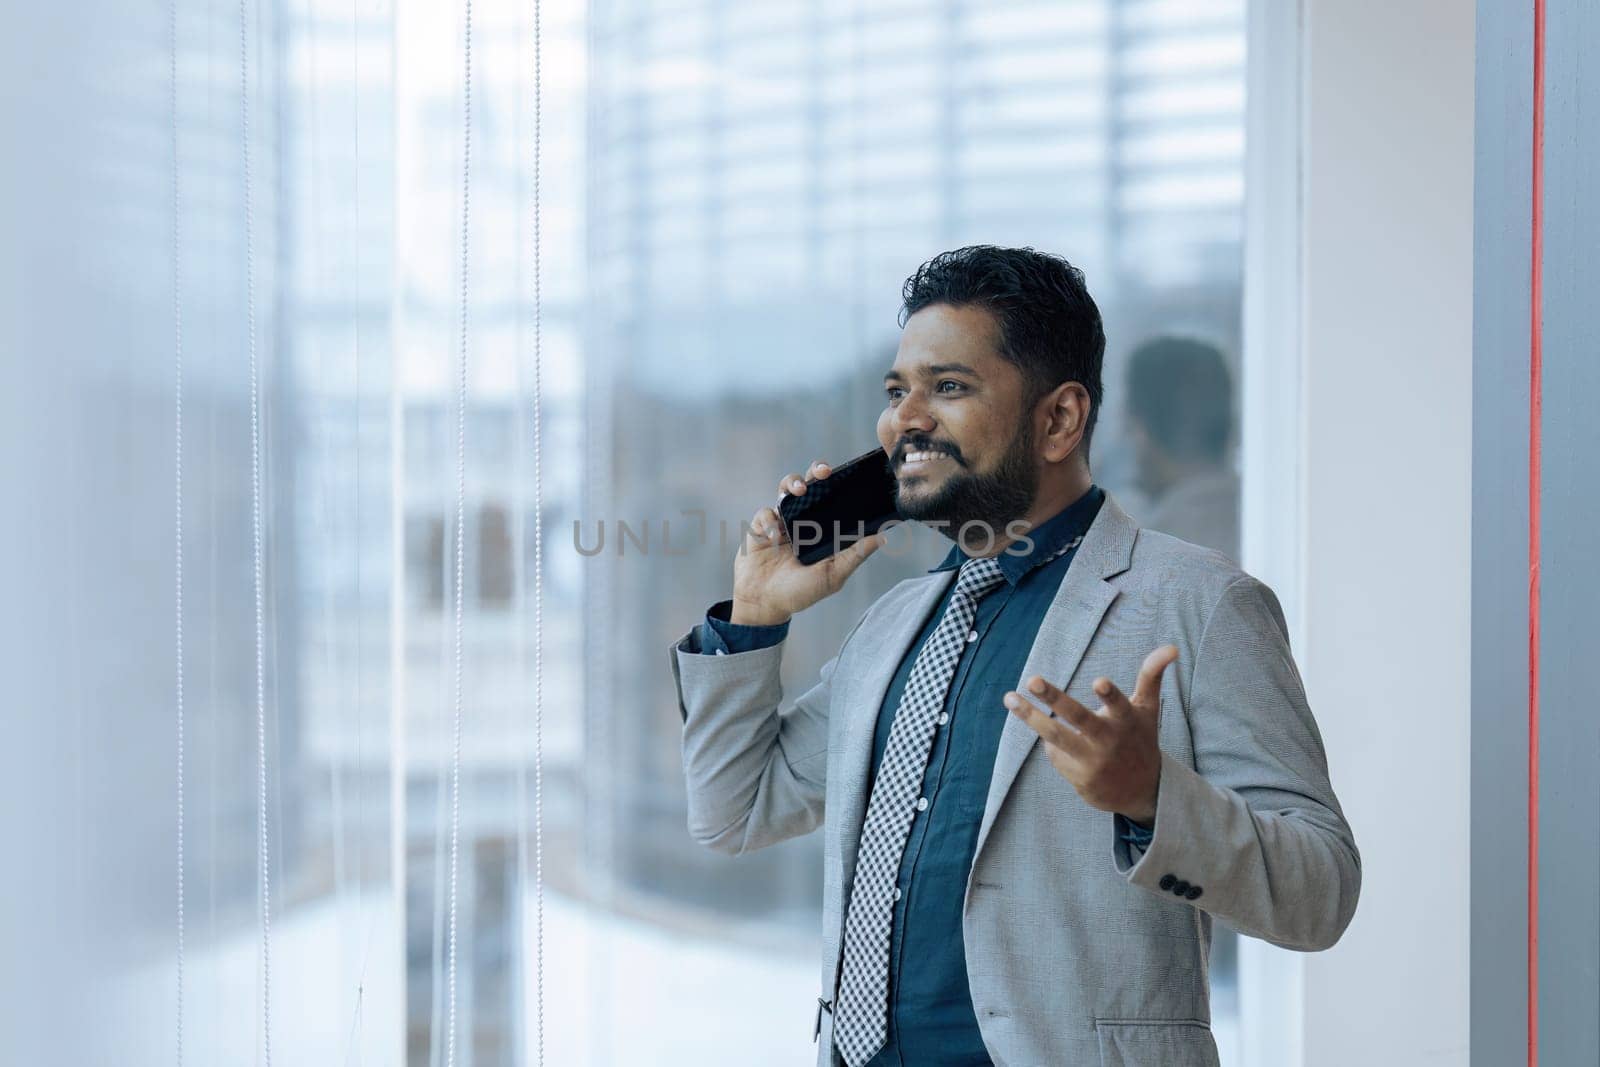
x,y
1067,410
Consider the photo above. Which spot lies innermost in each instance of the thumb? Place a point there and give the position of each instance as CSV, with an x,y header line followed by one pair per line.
x,y
1147,690
843,564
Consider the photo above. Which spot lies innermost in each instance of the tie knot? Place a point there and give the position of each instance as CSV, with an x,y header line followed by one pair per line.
x,y
978,576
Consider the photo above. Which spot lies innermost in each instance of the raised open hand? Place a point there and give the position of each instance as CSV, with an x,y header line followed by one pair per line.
x,y
1111,756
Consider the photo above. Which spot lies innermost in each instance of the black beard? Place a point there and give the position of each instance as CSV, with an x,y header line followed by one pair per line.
x,y
994,498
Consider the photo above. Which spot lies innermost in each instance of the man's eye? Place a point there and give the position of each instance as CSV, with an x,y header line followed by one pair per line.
x,y
893,392
949,381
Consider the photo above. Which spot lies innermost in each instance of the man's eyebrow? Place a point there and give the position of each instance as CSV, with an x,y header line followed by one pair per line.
x,y
936,368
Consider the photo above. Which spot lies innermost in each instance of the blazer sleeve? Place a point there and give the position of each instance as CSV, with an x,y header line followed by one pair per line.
x,y
1253,832
756,772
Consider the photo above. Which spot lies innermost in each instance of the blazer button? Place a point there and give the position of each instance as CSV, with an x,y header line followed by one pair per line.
x,y
1181,888
1167,882
1193,893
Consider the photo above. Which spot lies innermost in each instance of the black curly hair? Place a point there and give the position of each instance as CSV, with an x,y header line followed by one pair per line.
x,y
1050,327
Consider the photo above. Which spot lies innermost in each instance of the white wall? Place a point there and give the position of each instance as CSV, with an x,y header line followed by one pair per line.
x,y
1387,349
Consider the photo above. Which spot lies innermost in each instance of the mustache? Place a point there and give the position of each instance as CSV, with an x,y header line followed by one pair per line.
x,y
948,448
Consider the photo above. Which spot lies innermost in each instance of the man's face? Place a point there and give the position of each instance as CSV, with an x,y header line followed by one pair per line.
x,y
958,438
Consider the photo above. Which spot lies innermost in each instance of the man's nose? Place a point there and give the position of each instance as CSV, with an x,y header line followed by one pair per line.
x,y
912,414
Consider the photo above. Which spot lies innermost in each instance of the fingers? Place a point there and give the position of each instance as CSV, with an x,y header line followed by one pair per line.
x,y
1052,731
1116,702
1146,690
1086,721
766,530
795,484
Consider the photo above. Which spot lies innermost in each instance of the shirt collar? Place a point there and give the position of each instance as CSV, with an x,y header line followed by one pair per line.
x,y
1048,537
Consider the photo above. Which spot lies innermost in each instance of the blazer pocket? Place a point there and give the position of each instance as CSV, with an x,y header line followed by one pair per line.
x,y
1156,1043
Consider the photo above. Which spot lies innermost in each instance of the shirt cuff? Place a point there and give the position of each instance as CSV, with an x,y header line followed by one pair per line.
x,y
720,637
1134,834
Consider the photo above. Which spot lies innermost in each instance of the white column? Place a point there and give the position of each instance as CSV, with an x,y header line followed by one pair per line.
x,y
1387,434
1272,980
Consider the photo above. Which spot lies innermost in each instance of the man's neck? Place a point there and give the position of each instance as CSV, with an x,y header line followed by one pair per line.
x,y
1050,501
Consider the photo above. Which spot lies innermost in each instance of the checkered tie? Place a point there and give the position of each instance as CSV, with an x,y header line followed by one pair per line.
x,y
861,1023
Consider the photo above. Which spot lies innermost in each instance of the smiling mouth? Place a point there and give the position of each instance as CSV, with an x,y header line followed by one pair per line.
x,y
916,462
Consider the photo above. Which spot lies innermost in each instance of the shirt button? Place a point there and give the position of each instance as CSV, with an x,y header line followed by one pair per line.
x,y
922,803
944,717
897,892
972,635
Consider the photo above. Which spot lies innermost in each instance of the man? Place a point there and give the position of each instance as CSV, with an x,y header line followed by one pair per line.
x,y
1032,886
1180,416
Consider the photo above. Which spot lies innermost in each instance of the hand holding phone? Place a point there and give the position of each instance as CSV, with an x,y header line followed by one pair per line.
x,y
772,579
822,517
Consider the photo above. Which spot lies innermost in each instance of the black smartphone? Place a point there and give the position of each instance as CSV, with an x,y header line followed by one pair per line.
x,y
855,500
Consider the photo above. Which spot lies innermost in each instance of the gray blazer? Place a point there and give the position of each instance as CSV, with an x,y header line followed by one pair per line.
x,y
1076,955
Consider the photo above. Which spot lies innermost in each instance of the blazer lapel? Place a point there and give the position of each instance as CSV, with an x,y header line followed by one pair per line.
x,y
1063,637
855,761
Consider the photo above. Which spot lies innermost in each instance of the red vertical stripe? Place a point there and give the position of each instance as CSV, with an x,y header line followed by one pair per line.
x,y
1535,395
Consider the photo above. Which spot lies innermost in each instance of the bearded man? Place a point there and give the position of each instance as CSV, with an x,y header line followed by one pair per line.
x,y
1043,768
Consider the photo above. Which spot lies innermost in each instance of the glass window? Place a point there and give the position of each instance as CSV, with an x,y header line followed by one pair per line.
x,y
732,196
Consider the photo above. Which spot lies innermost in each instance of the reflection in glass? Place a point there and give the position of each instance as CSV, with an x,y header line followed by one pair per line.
x,y
1181,422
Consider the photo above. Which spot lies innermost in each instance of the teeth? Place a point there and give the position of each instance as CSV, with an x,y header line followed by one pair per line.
x,y
922,457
